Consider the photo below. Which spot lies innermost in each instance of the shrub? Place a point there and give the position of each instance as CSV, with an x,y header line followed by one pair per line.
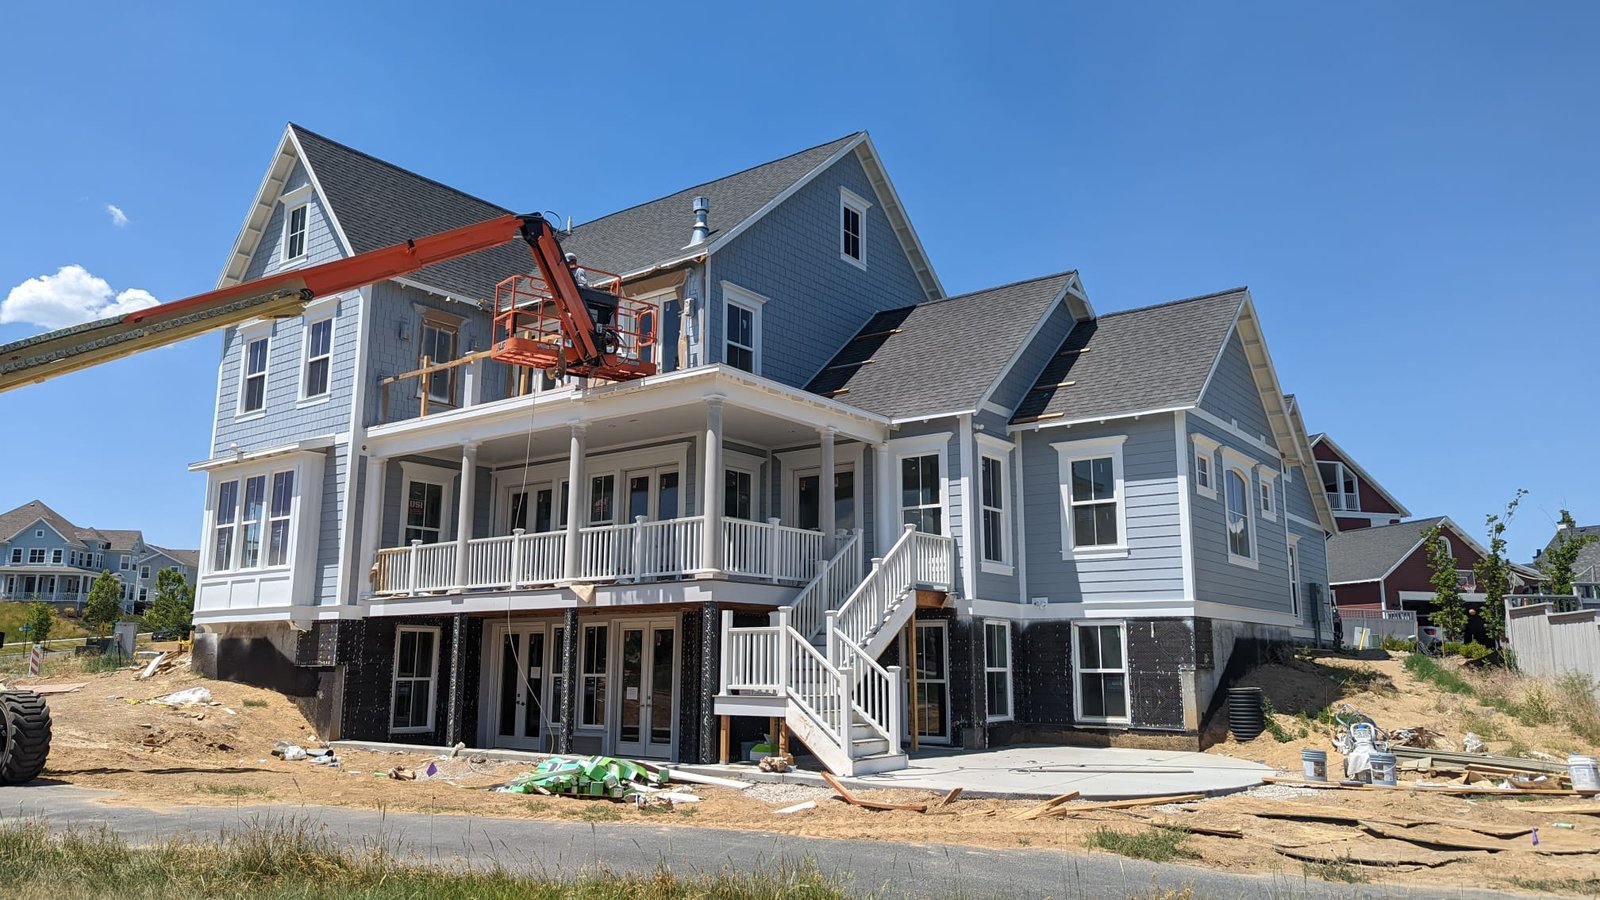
x,y
1580,709
1472,651
1399,644
1155,844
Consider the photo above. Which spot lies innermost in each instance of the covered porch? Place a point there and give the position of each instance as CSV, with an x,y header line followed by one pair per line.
x,y
480,499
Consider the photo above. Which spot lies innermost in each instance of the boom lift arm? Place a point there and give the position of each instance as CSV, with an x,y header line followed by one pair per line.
x,y
581,346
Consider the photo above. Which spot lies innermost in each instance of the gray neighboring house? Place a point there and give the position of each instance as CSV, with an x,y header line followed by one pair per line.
x,y
45,557
1586,570
1076,526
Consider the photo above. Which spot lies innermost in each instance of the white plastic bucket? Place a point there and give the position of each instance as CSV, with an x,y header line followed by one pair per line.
x,y
1383,768
1585,773
1315,764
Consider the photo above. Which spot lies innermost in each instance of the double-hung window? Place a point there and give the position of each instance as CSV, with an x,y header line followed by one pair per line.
x,y
1237,489
738,494
997,668
852,228
922,493
224,526
1267,492
36,556
992,500
255,497
55,557
592,687
741,336
319,358
439,346
16,556
278,523
1205,465
1094,516
416,675
602,500
1102,673
424,512
294,233
253,388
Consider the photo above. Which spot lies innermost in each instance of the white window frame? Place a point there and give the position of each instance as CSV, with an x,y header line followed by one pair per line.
x,y
733,295
936,444
1294,575
1343,472
1068,452
56,555
1237,463
1267,493
262,333
603,676
306,359
1078,671
37,557
1009,669
425,474
444,322
241,476
854,202
432,679
1205,450
289,209
992,448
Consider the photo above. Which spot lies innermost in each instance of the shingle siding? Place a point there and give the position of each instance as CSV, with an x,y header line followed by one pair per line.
x,y
816,300
1153,568
395,347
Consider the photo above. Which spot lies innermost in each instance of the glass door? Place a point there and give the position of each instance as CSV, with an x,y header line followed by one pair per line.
x,y
809,505
647,709
521,713
932,701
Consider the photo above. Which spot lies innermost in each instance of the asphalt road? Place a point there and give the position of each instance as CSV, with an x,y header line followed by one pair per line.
x,y
563,849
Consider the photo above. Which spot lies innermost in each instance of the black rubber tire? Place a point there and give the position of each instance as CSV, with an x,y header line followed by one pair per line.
x,y
24,736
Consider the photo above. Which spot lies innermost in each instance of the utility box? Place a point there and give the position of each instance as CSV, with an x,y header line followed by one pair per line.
x,y
123,635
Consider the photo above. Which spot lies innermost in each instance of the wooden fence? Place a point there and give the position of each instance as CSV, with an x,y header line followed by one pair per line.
x,y
1549,644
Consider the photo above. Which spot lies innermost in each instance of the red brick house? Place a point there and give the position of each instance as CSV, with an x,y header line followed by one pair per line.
x,y
1358,500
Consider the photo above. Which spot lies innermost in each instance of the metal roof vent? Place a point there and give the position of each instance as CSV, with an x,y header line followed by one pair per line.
x,y
702,209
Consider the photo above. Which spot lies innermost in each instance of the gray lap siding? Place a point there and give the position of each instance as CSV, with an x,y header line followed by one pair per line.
x,y
1265,587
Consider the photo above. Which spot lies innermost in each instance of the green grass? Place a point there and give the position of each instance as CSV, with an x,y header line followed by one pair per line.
x,y
1582,887
1155,844
255,703
284,862
595,811
1428,669
229,790
14,612
1338,870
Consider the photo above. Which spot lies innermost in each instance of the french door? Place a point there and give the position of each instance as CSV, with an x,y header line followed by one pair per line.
x,y
524,715
647,706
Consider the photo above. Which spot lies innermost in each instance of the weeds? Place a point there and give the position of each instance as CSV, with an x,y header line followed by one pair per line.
x,y
1337,870
1366,679
1580,708
1481,725
255,703
1428,669
229,790
1156,844
1279,733
594,812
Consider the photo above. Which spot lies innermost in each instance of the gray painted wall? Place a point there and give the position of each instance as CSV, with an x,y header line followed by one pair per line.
x,y
1233,396
1217,579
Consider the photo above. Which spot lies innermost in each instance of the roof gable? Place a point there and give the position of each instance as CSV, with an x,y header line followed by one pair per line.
x,y
940,357
1372,554
1321,439
15,521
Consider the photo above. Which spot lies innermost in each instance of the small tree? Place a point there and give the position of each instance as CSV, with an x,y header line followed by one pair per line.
x,y
1450,611
1494,571
41,618
1557,563
173,606
105,602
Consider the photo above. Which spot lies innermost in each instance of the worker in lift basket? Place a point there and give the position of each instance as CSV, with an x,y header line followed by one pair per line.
x,y
602,305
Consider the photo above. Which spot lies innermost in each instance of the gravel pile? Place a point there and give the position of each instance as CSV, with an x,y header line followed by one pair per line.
x,y
1282,792
786,794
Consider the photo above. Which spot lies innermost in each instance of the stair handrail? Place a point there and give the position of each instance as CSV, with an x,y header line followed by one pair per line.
x,y
835,579
828,712
890,577
875,692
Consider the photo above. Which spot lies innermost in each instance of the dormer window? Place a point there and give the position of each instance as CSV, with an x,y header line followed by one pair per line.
x,y
852,228
294,233
1340,484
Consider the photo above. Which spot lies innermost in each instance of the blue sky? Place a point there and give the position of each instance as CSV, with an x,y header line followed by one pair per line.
x,y
1409,190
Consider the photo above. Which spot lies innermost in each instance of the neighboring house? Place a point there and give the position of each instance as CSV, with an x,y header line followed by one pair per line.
x,y
1586,570
1358,500
45,557
1067,521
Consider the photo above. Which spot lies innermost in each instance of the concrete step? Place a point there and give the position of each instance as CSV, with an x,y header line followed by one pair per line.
x,y
861,748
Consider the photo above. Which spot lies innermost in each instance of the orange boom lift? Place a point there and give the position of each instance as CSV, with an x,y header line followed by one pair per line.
x,y
550,318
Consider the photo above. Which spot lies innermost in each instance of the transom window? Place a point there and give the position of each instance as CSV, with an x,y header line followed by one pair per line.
x,y
1237,488
253,391
319,357
921,500
997,668
1102,668
416,673
439,345
992,480
294,234
741,337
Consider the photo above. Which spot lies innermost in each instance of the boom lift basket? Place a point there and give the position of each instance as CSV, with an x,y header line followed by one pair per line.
x,y
530,330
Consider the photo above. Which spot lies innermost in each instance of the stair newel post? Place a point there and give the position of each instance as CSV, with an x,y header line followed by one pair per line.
x,y
828,637
727,642
638,547
893,703
856,553
516,557
416,555
773,536
783,651
847,677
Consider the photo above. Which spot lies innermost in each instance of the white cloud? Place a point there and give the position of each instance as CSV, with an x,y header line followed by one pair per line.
x,y
118,217
68,297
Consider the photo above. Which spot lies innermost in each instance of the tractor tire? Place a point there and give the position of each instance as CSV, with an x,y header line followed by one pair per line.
x,y
24,736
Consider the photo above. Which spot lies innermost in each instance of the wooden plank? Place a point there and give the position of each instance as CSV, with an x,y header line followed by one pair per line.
x,y
869,804
1387,854
1034,812
723,755
1124,804
1287,811
1446,790
948,798
1571,809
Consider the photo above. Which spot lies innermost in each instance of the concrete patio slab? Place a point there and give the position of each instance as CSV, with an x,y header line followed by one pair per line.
x,y
1045,771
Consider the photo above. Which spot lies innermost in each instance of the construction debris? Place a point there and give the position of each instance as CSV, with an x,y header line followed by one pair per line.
x,y
798,807
588,776
870,804
1034,812
55,688
197,696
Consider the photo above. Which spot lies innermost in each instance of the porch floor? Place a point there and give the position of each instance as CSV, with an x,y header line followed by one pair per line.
x,y
1016,772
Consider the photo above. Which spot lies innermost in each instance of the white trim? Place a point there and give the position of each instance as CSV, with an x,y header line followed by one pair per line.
x,y
1231,466
1233,429
327,209
1098,420
432,679
308,321
1293,554
1092,448
1361,473
1267,499
935,443
1204,448
968,487
290,207
1221,350
990,447
1078,672
751,302
854,202
1010,670
795,463
1185,511
261,332
985,403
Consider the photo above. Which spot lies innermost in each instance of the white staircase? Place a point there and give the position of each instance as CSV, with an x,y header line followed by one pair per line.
x,y
815,663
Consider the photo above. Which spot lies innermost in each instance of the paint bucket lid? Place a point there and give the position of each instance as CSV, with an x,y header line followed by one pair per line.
x,y
1580,760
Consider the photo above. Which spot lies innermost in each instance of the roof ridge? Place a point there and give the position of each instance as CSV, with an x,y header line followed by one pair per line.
x,y
617,212
398,168
1195,299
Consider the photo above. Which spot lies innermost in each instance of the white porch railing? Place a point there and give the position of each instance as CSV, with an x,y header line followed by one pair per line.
x,y
833,584
770,550
873,610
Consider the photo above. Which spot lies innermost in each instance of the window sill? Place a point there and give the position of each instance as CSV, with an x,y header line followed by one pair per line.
x,y
995,720
299,262
415,729
1269,517
304,402
995,568
1208,493
1243,562
1107,724
860,264
262,570
1116,552
250,416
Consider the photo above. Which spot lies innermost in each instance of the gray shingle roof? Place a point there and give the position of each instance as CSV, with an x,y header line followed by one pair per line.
x,y
14,521
945,353
378,204
190,558
1587,566
1156,357
658,231
1365,554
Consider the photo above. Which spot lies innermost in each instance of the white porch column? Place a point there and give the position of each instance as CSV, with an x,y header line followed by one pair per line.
x,y
825,498
464,510
884,479
575,486
711,480
371,522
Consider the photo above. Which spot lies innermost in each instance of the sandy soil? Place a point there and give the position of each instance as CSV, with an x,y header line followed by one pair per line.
x,y
108,736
